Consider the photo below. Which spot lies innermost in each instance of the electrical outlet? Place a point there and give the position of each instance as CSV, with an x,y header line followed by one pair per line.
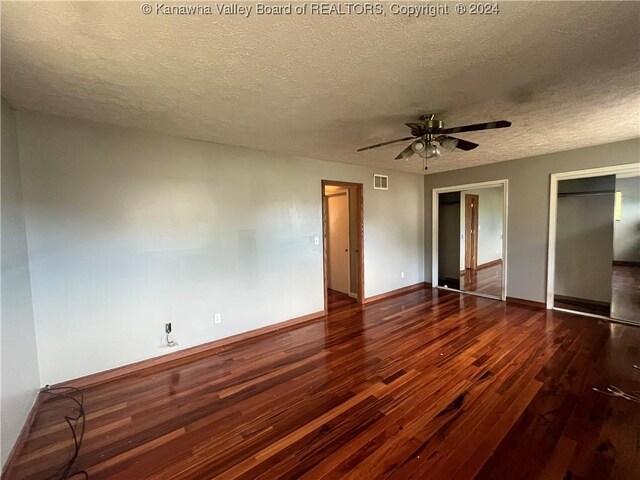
x,y
217,318
401,274
167,342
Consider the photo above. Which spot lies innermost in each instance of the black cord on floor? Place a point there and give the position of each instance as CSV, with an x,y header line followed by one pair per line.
x,y
69,392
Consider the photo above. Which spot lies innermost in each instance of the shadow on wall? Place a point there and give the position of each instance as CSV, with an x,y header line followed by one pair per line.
x,y
584,238
626,229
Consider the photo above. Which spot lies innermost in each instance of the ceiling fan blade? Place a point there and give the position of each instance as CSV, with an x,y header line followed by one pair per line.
x,y
385,143
417,129
477,126
460,143
406,153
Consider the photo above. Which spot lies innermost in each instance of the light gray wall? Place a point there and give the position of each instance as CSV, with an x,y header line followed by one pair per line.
x,y
490,217
626,232
584,238
128,230
528,206
20,376
584,247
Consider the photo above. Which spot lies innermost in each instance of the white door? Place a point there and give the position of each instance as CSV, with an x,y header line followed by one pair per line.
x,y
338,242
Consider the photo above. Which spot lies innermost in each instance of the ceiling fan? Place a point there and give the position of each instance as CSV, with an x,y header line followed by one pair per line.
x,y
430,133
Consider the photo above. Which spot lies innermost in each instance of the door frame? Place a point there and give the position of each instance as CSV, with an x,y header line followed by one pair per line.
x,y
553,211
474,246
359,218
504,183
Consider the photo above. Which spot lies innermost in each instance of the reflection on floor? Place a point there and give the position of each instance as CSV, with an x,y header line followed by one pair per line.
x,y
336,300
483,280
625,298
427,385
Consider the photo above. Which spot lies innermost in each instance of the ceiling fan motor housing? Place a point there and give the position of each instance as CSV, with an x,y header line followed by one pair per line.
x,y
432,125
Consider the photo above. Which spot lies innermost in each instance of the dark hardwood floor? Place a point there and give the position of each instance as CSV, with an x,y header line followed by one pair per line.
x,y
426,385
625,295
338,300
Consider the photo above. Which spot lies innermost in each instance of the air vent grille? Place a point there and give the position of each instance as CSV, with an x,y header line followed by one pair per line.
x,y
380,182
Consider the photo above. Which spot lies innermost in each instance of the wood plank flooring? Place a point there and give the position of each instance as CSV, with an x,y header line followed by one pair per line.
x,y
625,295
338,300
486,280
427,385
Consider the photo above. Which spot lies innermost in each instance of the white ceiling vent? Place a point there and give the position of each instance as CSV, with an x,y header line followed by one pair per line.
x,y
380,182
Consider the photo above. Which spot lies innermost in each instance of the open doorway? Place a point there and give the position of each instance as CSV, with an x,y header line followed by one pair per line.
x,y
594,243
482,240
469,238
343,229
471,232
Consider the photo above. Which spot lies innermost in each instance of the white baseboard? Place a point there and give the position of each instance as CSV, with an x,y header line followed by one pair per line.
x,y
354,295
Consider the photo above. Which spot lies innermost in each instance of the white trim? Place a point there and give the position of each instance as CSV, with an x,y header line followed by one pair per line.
x,y
593,315
381,177
504,183
434,238
505,233
553,211
353,295
472,186
578,312
476,294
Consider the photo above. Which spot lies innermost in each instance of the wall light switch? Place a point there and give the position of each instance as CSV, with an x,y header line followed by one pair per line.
x,y
316,240
401,274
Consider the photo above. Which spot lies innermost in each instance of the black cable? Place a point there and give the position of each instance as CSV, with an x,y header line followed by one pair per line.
x,y
67,392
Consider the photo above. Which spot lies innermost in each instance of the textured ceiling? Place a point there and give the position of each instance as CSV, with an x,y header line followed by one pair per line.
x,y
567,74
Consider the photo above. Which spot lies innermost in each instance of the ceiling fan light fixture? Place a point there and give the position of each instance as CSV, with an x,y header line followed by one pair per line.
x,y
432,151
418,146
448,143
